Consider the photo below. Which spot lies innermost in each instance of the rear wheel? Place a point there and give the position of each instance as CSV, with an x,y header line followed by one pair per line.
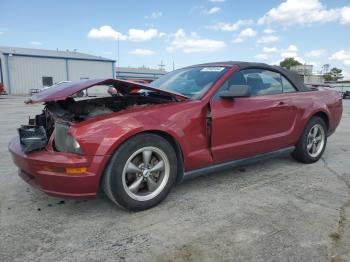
x,y
312,142
141,173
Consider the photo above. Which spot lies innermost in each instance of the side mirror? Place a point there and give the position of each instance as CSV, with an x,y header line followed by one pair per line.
x,y
235,91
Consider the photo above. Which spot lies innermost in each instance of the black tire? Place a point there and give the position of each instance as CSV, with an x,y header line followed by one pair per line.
x,y
301,152
115,187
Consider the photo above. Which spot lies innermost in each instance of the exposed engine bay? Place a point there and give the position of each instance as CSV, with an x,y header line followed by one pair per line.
x,y
57,114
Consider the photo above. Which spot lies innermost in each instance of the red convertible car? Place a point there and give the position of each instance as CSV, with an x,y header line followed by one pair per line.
x,y
192,121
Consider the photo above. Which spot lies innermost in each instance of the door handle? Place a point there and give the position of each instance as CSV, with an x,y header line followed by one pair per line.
x,y
281,103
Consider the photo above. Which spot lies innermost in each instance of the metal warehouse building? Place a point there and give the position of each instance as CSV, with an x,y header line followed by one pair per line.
x,y
23,69
130,73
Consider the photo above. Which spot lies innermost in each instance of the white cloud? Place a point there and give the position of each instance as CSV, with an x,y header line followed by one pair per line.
x,y
292,48
270,49
243,35
291,51
217,1
106,32
154,15
312,63
138,35
211,11
230,26
262,56
35,43
316,53
287,54
267,39
304,12
191,44
341,55
269,31
345,15
141,52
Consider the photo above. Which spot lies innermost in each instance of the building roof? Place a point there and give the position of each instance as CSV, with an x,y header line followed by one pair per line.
x,y
33,52
138,73
144,70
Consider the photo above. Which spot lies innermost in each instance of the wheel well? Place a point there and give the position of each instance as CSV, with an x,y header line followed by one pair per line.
x,y
173,143
177,148
324,117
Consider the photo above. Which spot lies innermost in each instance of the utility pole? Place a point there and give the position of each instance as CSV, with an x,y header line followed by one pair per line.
x,y
161,66
118,54
173,65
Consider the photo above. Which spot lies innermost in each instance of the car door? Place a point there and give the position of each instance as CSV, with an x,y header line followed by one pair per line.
x,y
246,126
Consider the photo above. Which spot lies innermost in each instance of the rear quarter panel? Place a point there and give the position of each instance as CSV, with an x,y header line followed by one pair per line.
x,y
313,102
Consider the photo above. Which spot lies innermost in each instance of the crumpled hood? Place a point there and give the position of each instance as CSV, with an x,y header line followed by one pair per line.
x,y
64,90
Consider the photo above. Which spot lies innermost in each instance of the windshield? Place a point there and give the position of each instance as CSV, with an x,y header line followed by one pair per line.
x,y
192,82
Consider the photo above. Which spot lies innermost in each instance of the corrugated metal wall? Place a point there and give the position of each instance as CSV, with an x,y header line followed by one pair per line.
x,y
27,72
80,69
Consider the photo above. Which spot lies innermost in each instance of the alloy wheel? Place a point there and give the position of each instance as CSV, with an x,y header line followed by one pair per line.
x,y
146,173
315,140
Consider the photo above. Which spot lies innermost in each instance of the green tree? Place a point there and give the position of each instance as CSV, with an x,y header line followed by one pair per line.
x,y
334,74
289,62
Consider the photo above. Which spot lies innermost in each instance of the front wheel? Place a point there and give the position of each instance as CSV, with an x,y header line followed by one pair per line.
x,y
141,173
312,142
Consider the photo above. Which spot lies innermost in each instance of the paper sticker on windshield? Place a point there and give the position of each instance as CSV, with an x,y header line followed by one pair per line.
x,y
212,69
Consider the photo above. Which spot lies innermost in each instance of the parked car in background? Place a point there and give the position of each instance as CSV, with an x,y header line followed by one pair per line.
x,y
81,93
344,90
2,89
142,81
192,121
47,87
319,85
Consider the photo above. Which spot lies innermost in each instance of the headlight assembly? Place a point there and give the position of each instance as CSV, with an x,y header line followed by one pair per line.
x,y
65,142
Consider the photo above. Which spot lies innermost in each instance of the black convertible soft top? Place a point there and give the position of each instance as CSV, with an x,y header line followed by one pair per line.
x,y
290,75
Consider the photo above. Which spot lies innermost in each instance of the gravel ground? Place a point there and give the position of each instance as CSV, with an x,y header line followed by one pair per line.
x,y
277,210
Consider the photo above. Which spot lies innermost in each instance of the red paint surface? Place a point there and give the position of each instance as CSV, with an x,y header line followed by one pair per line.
x,y
241,128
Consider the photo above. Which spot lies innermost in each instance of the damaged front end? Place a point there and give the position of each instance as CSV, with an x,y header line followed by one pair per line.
x,y
53,124
32,138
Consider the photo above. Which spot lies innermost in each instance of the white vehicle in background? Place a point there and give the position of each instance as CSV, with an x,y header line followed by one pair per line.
x,y
48,87
343,87
79,94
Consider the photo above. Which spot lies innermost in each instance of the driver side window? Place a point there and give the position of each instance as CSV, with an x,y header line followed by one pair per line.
x,y
261,82
236,79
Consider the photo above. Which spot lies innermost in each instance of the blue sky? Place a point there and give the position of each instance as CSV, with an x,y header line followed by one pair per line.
x,y
186,32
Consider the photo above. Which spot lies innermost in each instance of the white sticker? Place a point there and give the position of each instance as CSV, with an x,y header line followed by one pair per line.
x,y
212,69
